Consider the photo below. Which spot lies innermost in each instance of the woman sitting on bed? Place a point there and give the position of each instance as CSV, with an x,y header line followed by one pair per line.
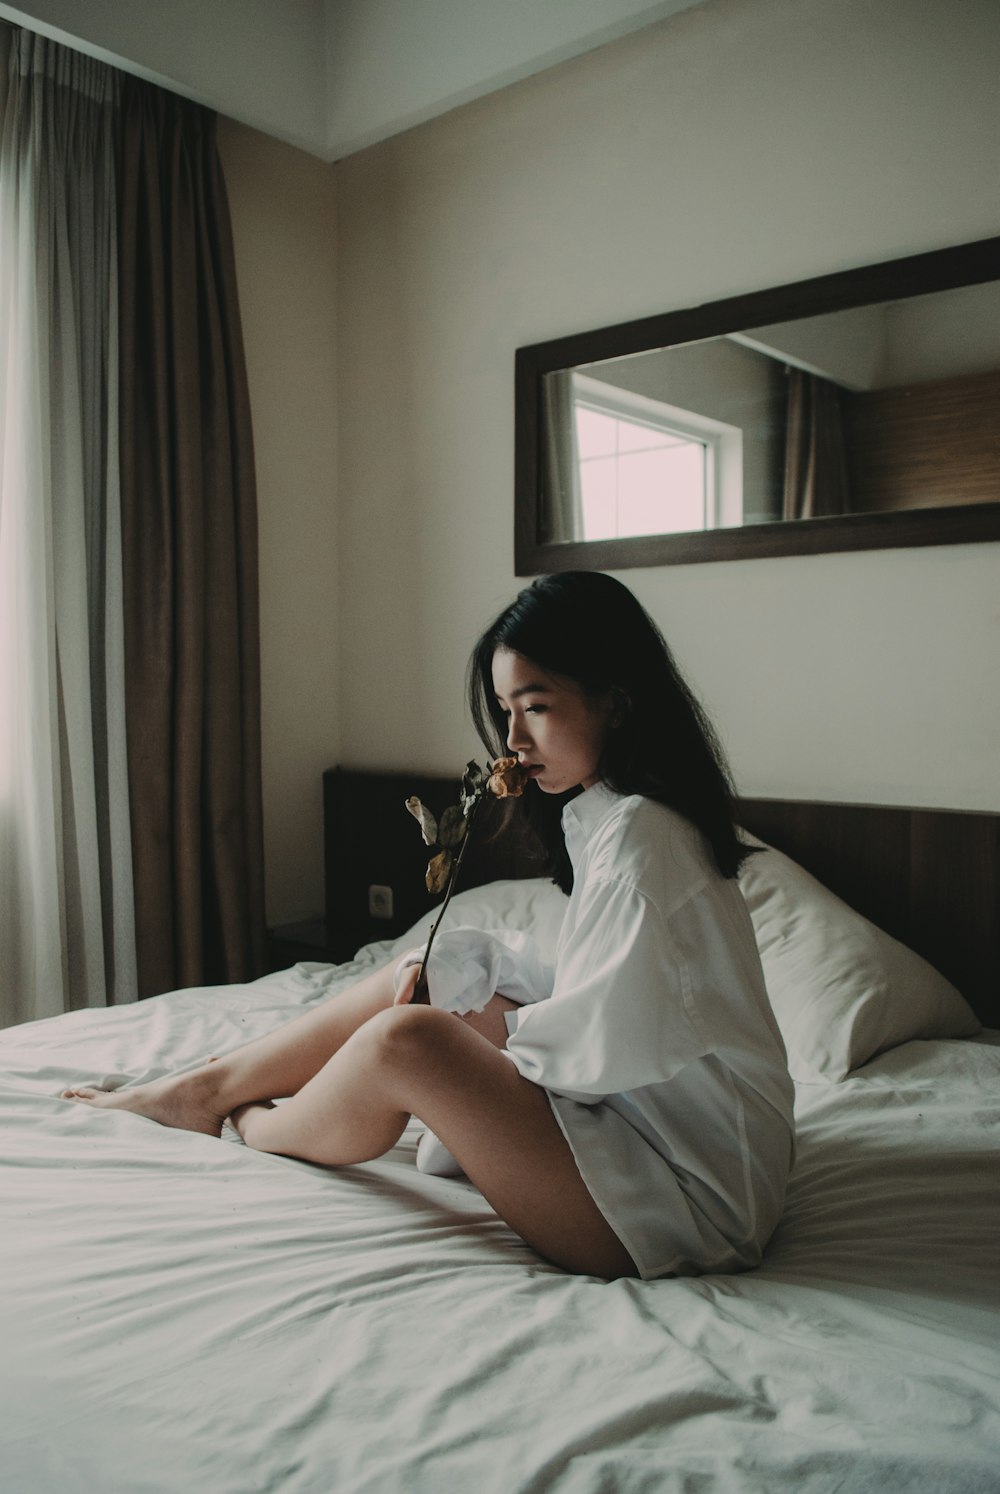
x,y
630,1112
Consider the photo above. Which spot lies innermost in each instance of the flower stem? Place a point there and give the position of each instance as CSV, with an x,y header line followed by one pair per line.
x,y
421,993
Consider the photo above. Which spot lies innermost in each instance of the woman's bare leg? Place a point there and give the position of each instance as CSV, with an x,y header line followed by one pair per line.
x,y
268,1068
497,1124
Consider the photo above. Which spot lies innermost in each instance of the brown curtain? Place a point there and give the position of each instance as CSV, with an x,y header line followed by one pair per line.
x,y
189,521
816,482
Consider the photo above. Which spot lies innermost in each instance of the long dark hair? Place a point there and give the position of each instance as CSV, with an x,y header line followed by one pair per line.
x,y
589,628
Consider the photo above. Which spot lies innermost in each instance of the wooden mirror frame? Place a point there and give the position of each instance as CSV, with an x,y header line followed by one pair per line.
x,y
893,280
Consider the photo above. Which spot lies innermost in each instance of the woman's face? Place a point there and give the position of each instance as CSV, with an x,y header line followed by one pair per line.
x,y
556,731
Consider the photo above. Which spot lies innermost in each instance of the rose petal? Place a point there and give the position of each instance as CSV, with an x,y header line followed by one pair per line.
x,y
508,779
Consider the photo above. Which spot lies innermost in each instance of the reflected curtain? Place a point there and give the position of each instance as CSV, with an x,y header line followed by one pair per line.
x,y
562,506
190,546
66,917
816,474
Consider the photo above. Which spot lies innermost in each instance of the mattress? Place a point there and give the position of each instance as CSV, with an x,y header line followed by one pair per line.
x,y
182,1313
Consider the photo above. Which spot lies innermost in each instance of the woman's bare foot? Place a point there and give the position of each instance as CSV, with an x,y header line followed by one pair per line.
x,y
188,1102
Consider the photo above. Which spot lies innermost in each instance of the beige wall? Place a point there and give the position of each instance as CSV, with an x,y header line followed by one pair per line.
x,y
742,144
282,206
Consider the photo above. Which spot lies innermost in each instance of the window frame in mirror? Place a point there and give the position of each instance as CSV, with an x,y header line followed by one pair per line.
x,y
892,280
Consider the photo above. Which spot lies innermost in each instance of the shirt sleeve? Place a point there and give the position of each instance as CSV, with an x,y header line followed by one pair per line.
x,y
467,965
620,1013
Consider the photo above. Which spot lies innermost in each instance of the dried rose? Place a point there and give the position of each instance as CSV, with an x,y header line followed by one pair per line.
x,y
451,835
508,778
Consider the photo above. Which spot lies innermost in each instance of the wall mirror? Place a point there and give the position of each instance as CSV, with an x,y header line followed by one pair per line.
x,y
859,410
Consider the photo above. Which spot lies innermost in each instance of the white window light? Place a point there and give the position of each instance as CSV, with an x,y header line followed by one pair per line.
x,y
647,467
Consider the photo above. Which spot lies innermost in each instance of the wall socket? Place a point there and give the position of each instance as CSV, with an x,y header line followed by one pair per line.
x,y
380,901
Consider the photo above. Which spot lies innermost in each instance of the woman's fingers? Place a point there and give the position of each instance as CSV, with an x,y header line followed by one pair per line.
x,y
405,985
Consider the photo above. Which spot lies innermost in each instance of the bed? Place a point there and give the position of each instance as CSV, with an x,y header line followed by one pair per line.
x,y
180,1313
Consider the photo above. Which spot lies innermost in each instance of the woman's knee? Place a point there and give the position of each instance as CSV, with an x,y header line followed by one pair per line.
x,y
403,1036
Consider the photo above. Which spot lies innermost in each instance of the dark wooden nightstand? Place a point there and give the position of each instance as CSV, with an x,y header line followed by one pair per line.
x,y
290,942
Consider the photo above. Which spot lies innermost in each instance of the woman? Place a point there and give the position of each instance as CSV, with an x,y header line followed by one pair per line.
x,y
634,1117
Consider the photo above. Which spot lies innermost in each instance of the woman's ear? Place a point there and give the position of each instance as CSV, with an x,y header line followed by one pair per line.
x,y
620,706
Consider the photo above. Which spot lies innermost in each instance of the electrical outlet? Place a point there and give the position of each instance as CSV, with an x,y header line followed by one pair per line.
x,y
380,901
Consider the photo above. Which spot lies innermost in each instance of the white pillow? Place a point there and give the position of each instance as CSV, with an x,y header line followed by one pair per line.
x,y
532,904
841,989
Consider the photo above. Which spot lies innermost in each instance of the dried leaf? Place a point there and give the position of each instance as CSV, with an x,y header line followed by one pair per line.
x,y
427,822
473,777
452,827
437,871
473,785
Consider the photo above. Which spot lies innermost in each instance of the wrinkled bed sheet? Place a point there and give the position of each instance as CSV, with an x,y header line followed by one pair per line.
x,y
183,1314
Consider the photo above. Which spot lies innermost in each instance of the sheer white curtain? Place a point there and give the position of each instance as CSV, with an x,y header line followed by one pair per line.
x,y
66,910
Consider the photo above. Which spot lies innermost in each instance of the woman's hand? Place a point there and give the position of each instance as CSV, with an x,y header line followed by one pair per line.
x,y
405,984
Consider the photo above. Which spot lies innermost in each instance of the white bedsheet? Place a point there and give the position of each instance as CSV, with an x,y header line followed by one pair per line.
x,y
182,1314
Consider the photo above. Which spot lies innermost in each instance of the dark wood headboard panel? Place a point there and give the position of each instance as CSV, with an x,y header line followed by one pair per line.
x,y
929,877
369,838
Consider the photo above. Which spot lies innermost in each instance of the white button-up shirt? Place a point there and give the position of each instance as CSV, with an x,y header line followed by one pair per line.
x,y
657,1045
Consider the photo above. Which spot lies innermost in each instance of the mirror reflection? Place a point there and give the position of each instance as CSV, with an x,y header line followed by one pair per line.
x,y
873,409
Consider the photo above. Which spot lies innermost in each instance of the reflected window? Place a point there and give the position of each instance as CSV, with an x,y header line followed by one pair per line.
x,y
645,467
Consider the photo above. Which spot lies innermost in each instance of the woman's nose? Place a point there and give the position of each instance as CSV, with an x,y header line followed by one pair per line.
x,y
516,735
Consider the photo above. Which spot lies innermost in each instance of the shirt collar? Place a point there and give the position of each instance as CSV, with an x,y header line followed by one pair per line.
x,y
582,815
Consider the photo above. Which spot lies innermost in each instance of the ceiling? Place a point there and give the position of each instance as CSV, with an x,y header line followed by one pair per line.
x,y
334,76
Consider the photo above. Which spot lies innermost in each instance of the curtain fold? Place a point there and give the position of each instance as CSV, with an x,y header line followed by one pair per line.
x,y
190,545
562,507
131,857
66,916
816,471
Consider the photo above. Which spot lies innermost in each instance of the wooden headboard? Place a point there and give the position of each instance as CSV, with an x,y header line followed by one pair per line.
x,y
929,877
